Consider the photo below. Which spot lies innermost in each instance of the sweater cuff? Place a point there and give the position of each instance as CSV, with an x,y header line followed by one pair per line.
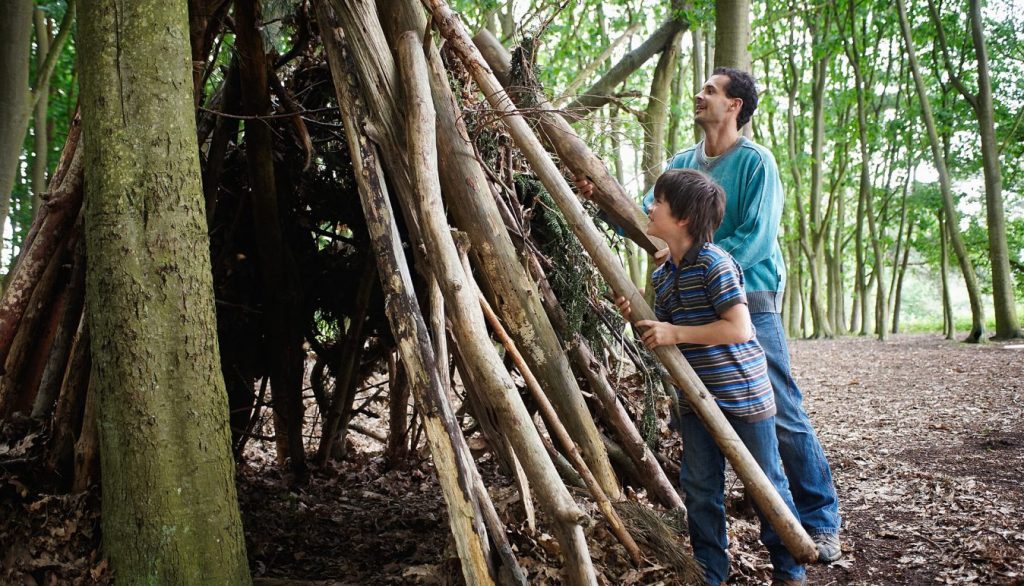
x,y
764,301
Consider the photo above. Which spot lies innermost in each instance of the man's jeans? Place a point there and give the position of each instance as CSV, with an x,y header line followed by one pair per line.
x,y
810,478
702,476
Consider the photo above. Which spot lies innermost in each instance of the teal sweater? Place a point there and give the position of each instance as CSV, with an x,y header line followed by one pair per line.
x,y
753,210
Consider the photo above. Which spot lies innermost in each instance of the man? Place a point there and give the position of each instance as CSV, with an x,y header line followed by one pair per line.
x,y
749,230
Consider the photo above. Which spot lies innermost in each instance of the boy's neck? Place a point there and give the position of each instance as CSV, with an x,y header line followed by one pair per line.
x,y
680,245
719,139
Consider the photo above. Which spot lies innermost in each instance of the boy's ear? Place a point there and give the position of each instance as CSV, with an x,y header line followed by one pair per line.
x,y
684,223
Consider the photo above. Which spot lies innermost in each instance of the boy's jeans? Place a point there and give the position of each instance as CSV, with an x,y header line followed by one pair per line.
x,y
702,476
810,478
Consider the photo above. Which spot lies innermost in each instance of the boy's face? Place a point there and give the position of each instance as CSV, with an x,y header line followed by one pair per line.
x,y
662,224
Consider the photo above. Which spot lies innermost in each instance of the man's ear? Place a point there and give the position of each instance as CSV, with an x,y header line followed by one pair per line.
x,y
738,102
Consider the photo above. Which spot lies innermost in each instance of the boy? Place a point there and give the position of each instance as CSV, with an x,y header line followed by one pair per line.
x,y
701,307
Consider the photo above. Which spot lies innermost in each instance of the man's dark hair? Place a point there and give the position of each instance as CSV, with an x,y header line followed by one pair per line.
x,y
741,85
692,195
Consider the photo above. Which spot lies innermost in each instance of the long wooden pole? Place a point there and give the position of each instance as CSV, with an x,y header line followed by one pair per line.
x,y
556,429
572,151
509,288
455,467
703,403
468,324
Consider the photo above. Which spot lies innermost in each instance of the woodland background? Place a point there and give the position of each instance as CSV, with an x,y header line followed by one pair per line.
x,y
897,129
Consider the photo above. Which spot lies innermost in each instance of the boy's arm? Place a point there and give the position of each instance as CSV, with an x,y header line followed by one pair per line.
x,y
732,327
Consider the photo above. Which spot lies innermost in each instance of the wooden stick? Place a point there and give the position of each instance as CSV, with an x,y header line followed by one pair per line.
x,y
572,151
52,227
556,428
455,468
703,403
468,324
508,286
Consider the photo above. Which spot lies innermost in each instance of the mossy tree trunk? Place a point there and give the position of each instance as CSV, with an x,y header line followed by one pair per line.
x,y
170,514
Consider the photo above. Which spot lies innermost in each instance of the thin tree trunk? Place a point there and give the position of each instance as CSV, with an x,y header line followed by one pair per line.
x,y
170,513
278,276
1003,299
40,136
899,283
697,67
948,323
793,535
966,267
655,117
15,49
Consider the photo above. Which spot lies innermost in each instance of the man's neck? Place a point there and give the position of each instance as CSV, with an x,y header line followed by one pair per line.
x,y
720,139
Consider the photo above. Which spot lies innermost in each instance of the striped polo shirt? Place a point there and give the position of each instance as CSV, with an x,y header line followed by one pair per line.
x,y
705,284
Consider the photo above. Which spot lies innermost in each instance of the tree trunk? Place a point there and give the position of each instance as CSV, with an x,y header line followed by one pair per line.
x,y
655,118
40,137
697,68
966,267
948,324
1003,299
170,514
601,92
793,535
732,34
899,283
15,48
277,272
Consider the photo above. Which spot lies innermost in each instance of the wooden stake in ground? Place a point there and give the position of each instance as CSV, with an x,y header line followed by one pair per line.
x,y
556,429
468,323
455,467
510,289
754,479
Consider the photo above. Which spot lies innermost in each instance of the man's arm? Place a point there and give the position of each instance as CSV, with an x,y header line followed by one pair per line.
x,y
758,228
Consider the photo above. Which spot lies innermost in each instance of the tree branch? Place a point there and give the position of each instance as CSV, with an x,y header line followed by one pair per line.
x,y
43,77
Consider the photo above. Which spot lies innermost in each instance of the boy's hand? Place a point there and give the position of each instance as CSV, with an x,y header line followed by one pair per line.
x,y
658,333
661,256
585,187
623,304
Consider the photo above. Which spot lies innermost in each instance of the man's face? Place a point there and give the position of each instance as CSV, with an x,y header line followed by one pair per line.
x,y
712,107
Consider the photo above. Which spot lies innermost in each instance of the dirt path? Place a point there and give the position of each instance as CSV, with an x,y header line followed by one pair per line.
x,y
925,438
927,444
924,435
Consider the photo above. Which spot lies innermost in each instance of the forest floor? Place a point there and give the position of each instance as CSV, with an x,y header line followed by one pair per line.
x,y
924,436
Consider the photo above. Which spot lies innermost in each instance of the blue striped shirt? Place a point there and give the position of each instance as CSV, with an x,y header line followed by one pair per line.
x,y
705,285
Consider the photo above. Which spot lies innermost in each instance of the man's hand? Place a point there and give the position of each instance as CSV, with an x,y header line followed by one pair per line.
x,y
585,187
658,333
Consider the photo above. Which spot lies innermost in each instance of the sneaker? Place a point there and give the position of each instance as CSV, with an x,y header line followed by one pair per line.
x,y
829,549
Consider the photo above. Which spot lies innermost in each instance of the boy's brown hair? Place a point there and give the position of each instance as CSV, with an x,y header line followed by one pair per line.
x,y
692,195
